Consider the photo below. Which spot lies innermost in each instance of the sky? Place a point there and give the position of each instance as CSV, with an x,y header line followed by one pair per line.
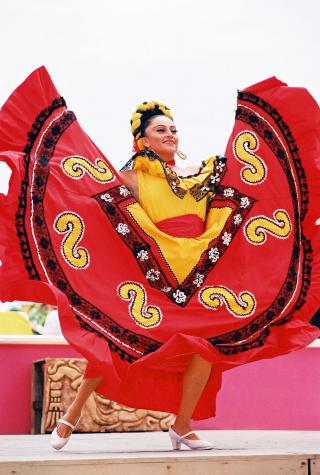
x,y
106,57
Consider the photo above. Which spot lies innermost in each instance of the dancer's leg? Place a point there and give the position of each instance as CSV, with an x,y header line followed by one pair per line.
x,y
86,387
194,380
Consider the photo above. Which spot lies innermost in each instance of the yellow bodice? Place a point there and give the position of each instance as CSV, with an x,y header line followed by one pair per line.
x,y
163,194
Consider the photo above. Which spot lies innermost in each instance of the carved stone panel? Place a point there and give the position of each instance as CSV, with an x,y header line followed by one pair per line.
x,y
56,381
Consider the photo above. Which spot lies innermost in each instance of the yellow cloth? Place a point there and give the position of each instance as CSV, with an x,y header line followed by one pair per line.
x,y
14,323
157,197
158,201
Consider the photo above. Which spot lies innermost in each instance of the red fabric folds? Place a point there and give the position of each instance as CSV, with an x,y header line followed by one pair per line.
x,y
68,238
188,225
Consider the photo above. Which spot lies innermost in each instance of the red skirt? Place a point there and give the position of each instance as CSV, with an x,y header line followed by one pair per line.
x,y
68,239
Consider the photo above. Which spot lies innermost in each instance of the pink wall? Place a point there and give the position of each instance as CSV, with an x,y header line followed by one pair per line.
x,y
15,377
282,393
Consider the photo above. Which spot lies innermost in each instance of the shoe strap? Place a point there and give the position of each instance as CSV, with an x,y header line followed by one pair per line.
x,y
186,435
62,421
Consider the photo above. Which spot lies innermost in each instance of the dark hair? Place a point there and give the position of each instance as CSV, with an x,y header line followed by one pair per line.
x,y
146,119
142,117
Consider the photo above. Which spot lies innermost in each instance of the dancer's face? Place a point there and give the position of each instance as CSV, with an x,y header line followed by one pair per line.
x,y
161,137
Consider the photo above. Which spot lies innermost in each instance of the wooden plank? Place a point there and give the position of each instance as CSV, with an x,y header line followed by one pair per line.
x,y
315,465
236,453
250,466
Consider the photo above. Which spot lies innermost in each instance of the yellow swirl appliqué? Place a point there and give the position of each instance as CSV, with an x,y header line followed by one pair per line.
x,y
72,224
256,228
75,166
244,146
240,307
145,316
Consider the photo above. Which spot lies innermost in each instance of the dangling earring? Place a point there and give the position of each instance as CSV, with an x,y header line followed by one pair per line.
x,y
181,155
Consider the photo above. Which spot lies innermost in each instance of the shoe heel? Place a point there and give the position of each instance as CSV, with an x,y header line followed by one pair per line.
x,y
175,439
176,445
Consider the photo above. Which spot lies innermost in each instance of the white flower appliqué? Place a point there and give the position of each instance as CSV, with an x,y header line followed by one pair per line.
x,y
198,281
215,178
123,229
228,192
106,197
237,219
226,238
220,166
153,275
124,191
143,255
244,202
179,296
214,254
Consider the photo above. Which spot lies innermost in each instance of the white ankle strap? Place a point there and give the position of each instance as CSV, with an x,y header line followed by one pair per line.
x,y
62,421
186,435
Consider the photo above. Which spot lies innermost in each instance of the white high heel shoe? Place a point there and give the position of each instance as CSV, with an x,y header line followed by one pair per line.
x,y
58,442
195,444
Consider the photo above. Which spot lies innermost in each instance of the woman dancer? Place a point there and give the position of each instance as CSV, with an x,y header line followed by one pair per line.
x,y
158,137
164,278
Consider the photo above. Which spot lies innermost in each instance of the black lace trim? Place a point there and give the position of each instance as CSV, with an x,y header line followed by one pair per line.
x,y
136,341
269,316
52,265
271,140
199,190
124,355
114,204
21,211
200,168
225,343
256,343
306,279
269,137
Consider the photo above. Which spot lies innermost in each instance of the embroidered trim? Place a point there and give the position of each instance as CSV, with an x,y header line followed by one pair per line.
x,y
138,343
228,343
85,317
270,317
270,139
115,208
198,190
256,343
21,211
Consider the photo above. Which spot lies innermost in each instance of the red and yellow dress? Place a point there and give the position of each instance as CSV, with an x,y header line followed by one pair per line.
x,y
224,263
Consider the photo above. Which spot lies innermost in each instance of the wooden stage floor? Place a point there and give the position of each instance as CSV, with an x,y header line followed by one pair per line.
x,y
236,453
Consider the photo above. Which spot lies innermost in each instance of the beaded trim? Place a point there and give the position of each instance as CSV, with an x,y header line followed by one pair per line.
x,y
21,211
251,335
88,316
257,330
199,190
114,204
